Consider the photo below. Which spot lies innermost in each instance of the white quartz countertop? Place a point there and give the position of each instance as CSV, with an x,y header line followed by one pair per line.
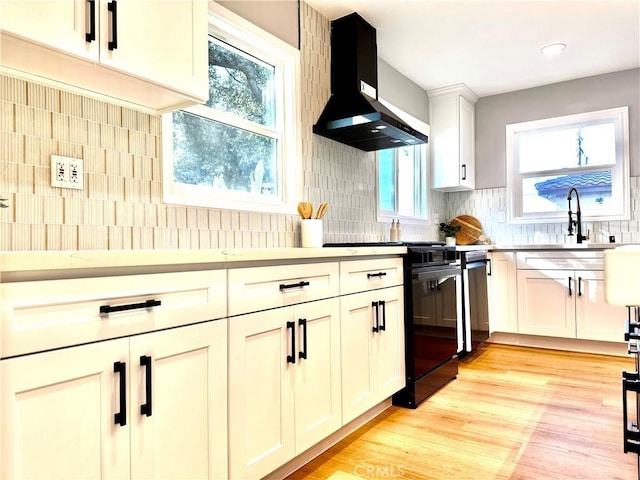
x,y
16,262
556,246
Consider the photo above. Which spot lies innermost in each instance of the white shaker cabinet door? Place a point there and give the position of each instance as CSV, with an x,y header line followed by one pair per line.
x,y
317,373
389,343
60,24
503,306
546,304
163,41
261,392
58,414
595,318
179,427
359,376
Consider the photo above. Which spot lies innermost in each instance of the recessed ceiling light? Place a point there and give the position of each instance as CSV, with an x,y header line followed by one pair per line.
x,y
552,49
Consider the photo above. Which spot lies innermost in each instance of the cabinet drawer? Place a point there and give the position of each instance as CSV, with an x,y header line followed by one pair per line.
x,y
259,288
362,275
43,315
563,260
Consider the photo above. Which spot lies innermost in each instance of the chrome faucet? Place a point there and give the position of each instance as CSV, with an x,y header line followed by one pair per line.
x,y
578,217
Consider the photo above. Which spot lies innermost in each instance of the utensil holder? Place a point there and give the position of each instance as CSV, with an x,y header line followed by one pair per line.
x,y
311,232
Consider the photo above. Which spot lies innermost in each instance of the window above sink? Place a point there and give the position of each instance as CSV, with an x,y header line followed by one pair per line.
x,y
546,158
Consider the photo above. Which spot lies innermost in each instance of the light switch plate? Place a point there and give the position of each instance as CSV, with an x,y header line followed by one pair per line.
x,y
67,172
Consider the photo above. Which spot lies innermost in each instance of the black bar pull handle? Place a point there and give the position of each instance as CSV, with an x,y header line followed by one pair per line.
x,y
90,36
130,306
631,332
464,171
630,383
488,267
579,286
120,418
292,358
570,280
303,323
383,325
378,275
284,286
145,408
376,327
113,8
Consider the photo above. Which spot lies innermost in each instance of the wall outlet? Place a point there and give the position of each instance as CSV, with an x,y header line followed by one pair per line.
x,y
502,216
436,219
67,172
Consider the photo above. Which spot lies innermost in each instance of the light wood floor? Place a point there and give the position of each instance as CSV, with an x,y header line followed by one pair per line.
x,y
513,413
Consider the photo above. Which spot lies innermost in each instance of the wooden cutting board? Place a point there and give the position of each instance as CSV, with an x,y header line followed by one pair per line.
x,y
470,230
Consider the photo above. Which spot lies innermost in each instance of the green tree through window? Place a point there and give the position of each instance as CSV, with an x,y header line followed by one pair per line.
x,y
240,148
209,152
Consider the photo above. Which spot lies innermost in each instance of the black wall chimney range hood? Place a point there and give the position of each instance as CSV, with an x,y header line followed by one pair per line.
x,y
352,117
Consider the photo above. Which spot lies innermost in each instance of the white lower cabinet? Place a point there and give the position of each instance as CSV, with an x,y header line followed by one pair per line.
x,y
503,307
76,412
569,304
372,345
185,436
595,318
284,384
545,306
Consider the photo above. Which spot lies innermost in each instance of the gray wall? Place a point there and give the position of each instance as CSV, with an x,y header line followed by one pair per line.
x,y
397,89
599,92
280,18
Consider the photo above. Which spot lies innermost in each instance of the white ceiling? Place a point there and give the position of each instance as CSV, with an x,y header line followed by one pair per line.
x,y
494,46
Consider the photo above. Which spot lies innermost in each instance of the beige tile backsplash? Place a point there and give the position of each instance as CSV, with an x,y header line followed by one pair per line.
x,y
121,205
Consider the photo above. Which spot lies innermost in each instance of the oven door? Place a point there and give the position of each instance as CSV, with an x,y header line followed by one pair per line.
x,y
434,329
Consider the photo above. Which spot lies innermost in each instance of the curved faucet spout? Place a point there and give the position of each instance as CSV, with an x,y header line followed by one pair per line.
x,y
573,189
578,221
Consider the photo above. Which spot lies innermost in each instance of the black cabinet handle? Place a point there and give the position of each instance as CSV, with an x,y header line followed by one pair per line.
x,y
579,286
376,327
303,323
464,171
570,280
292,358
90,36
631,331
145,408
284,286
113,8
378,275
488,267
120,418
130,306
630,383
383,325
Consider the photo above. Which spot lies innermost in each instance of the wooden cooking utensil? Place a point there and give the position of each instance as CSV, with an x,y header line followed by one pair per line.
x,y
322,209
301,209
305,209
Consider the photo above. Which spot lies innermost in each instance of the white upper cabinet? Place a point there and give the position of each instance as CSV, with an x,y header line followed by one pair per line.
x,y
61,24
150,53
452,116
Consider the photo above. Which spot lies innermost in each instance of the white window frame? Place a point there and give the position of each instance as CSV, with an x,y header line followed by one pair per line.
x,y
238,32
619,172
423,182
